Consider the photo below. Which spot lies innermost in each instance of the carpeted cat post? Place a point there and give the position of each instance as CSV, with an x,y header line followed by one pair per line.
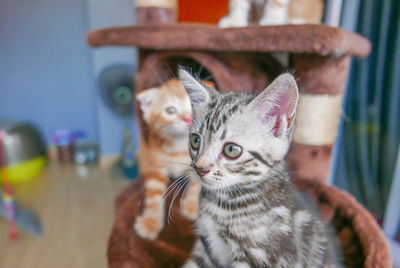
x,y
322,81
240,59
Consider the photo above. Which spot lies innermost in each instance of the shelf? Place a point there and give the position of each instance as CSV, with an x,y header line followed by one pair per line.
x,y
317,39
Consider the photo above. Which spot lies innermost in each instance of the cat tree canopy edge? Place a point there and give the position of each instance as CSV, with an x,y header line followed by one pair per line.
x,y
316,39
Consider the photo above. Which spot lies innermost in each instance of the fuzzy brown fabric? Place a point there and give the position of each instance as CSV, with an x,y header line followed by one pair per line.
x,y
317,39
362,240
154,15
309,162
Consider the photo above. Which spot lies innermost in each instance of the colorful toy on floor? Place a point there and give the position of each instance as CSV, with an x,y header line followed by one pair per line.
x,y
9,212
22,218
24,152
22,156
7,196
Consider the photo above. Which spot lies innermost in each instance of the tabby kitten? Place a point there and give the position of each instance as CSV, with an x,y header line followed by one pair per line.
x,y
250,215
274,12
167,113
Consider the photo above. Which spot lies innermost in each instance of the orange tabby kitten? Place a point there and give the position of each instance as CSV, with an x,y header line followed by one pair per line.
x,y
167,112
274,12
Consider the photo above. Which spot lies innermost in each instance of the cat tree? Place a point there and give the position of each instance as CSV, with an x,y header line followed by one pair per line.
x,y
240,59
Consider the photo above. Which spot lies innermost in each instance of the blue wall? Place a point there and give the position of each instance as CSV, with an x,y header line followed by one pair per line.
x,y
102,14
48,72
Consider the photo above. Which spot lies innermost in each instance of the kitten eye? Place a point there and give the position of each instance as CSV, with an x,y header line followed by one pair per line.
x,y
195,141
170,110
232,150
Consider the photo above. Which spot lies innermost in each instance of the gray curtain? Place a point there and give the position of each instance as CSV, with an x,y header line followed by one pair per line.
x,y
366,152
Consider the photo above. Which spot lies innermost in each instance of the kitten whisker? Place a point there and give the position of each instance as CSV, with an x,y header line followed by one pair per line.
x,y
173,75
173,199
181,186
185,174
185,189
171,188
200,70
178,163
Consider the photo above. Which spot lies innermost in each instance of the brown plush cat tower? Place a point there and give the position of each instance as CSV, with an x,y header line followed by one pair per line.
x,y
240,59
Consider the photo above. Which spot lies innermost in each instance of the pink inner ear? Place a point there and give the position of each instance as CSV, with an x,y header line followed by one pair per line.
x,y
277,127
285,104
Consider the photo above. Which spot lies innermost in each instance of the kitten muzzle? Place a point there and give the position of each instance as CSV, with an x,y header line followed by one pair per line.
x,y
201,171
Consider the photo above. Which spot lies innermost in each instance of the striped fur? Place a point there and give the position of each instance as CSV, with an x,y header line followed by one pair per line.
x,y
250,214
164,154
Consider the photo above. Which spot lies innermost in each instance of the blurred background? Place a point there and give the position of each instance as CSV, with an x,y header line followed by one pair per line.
x,y
53,84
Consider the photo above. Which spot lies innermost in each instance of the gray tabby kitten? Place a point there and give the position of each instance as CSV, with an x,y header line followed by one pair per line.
x,y
250,215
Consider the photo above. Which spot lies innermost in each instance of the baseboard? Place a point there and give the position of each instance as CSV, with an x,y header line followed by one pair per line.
x,y
108,161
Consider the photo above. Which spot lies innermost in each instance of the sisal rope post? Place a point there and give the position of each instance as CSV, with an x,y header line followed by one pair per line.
x,y
156,11
321,81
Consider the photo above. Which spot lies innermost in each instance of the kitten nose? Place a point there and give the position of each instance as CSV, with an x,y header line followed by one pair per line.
x,y
188,120
201,171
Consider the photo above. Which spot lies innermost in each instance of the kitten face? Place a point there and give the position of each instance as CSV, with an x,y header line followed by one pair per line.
x,y
166,109
236,138
230,157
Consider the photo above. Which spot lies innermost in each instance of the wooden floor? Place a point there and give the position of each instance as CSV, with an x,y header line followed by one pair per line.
x,y
75,206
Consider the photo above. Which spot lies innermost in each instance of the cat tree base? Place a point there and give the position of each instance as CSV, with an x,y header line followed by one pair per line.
x,y
361,239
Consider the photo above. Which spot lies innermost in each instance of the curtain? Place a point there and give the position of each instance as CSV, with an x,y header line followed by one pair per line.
x,y
369,135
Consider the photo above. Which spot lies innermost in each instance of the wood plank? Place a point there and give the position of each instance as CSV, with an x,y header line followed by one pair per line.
x,y
76,213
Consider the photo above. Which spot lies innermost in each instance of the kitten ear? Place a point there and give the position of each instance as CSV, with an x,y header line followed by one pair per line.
x,y
198,93
146,97
278,103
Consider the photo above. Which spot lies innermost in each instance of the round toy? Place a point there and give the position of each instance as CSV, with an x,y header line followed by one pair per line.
x,y
24,150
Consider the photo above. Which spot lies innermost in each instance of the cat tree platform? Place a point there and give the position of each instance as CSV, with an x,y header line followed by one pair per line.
x,y
315,39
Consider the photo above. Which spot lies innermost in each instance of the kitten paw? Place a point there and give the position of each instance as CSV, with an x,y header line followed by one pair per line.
x,y
148,226
229,22
190,208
